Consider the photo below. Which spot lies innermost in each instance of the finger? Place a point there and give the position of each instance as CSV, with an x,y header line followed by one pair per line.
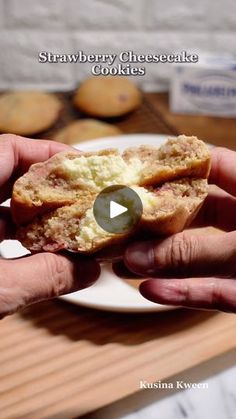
x,y
205,293
218,210
223,169
7,227
184,255
46,275
17,154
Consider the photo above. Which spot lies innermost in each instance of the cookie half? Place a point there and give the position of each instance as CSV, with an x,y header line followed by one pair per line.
x,y
65,177
166,210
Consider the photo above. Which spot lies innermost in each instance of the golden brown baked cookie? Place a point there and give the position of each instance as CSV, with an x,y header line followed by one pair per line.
x,y
106,97
28,112
62,179
85,129
166,210
65,188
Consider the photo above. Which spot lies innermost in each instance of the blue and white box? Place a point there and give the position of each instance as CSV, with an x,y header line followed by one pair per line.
x,y
207,87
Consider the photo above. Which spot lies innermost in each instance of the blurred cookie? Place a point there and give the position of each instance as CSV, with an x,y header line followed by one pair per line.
x,y
107,96
85,129
28,112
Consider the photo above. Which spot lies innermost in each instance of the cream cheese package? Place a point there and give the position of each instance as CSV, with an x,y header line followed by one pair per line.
x,y
207,87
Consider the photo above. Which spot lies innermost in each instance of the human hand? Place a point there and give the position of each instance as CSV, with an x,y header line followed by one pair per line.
x,y
30,279
196,270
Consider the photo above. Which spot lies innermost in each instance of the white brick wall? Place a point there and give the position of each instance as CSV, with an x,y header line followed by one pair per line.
x,y
102,15
96,26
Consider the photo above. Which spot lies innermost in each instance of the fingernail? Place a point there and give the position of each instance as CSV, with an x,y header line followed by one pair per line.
x,y
139,258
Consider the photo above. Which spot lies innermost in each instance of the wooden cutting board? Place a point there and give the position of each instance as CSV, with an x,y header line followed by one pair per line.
x,y
61,361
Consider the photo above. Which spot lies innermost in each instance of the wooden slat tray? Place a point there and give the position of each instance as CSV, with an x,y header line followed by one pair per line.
x,y
62,361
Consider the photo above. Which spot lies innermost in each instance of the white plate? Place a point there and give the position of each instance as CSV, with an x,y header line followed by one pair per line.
x,y
110,292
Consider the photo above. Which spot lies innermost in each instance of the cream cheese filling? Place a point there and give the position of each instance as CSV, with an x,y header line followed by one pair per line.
x,y
89,228
98,172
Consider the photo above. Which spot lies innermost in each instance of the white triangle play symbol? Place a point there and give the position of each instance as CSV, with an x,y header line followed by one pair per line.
x,y
116,209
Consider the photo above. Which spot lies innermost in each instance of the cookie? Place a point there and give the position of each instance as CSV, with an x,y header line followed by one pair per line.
x,y
55,198
73,227
64,177
28,112
106,97
85,129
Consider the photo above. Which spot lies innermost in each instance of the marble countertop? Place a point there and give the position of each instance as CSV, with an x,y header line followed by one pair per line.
x,y
217,401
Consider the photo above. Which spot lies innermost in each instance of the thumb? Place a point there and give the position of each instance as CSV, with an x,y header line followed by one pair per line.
x,y
183,255
45,275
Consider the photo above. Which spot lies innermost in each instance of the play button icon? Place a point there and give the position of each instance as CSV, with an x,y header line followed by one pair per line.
x,y
117,209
